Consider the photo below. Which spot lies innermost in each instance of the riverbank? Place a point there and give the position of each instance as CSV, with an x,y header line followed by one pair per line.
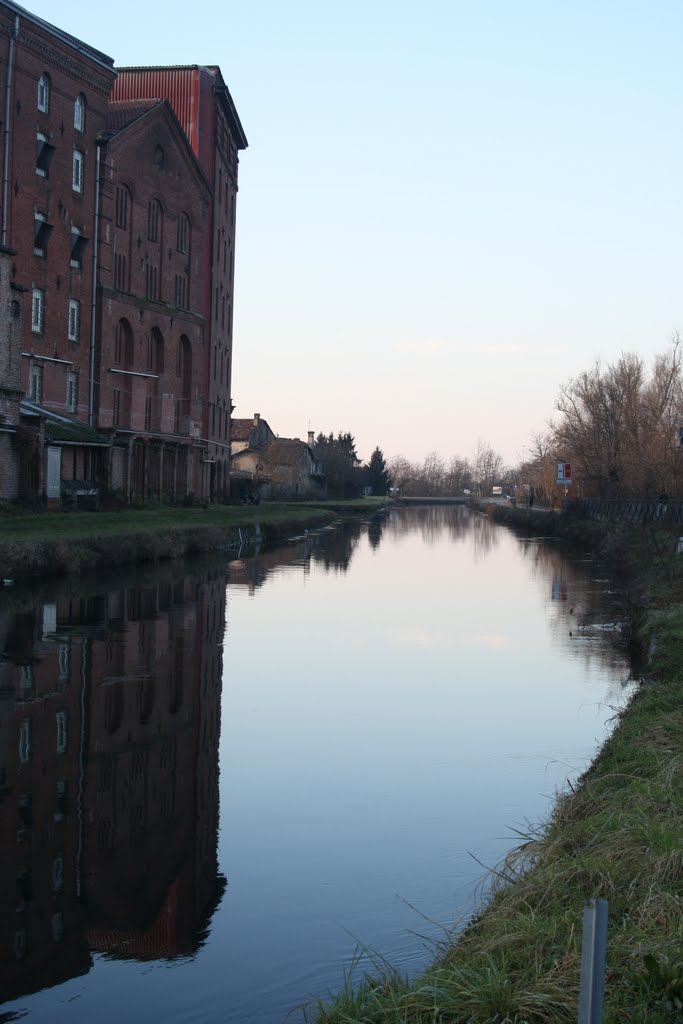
x,y
617,834
72,542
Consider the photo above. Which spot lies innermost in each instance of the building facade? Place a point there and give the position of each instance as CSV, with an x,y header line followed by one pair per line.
x,y
207,114
154,201
53,93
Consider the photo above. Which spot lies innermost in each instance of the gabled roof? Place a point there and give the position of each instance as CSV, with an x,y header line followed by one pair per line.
x,y
129,114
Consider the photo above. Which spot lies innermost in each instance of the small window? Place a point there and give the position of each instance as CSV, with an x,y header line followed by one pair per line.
x,y
25,740
183,233
44,94
78,244
71,391
41,233
79,113
35,383
74,320
44,153
78,166
121,218
153,221
38,311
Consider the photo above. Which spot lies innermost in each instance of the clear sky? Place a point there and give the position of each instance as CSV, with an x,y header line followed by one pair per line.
x,y
446,208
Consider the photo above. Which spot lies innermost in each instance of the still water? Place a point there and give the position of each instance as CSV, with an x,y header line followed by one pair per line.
x,y
219,779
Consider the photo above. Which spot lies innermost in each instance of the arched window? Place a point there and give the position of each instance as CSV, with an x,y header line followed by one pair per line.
x,y
79,113
154,221
123,344
44,93
183,233
155,351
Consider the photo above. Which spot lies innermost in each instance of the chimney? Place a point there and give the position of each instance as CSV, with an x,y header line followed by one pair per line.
x,y
257,417
311,438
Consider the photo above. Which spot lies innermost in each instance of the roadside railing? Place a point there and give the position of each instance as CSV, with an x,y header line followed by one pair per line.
x,y
633,510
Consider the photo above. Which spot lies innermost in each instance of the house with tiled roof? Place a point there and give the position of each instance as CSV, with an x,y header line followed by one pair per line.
x,y
283,468
249,433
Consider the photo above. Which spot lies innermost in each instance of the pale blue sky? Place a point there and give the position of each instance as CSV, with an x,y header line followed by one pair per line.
x,y
446,209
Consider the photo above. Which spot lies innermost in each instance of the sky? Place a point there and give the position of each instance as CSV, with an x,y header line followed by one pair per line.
x,y
446,210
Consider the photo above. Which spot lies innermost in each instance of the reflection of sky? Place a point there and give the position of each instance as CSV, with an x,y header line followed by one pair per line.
x,y
378,727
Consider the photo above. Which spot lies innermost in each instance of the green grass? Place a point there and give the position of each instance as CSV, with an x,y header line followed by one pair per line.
x,y
618,834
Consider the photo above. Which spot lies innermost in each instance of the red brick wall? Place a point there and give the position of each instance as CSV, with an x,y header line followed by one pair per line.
x,y
72,72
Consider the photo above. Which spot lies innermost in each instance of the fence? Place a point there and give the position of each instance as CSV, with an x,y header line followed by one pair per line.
x,y
632,510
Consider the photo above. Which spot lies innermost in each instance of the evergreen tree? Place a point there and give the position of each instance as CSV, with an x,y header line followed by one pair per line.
x,y
377,474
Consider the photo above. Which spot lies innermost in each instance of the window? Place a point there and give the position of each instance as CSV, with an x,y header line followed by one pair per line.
x,y
153,221
41,233
79,113
44,94
71,391
78,166
183,233
121,207
181,292
148,412
117,407
38,311
35,383
62,731
44,153
152,282
74,319
78,243
120,272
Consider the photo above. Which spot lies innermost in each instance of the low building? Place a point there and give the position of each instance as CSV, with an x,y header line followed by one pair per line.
x,y
249,433
284,468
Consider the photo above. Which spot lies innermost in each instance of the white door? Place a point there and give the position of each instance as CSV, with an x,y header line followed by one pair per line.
x,y
54,472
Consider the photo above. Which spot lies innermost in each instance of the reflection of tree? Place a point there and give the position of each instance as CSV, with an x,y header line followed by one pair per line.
x,y
375,530
109,730
334,548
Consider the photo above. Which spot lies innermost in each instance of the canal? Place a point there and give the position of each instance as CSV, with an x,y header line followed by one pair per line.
x,y
220,781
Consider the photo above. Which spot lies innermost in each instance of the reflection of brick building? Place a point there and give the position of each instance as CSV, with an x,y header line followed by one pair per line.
x,y
109,818
150,362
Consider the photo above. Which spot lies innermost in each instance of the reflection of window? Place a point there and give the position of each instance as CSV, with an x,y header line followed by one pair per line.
x,y
64,661
62,731
58,873
20,943
61,803
25,740
44,153
26,678
57,927
44,94
79,113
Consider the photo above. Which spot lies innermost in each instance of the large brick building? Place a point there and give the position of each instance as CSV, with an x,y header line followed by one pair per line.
x,y
78,164
204,108
153,212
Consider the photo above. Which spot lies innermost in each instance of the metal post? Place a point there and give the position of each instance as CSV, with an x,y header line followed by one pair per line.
x,y
593,956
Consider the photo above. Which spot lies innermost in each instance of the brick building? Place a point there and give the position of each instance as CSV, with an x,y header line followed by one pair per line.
x,y
204,108
53,94
75,149
154,201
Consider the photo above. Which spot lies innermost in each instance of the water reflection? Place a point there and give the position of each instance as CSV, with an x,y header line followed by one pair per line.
x,y
109,725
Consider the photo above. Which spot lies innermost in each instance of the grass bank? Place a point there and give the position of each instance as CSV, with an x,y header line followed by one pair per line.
x,y
63,542
618,834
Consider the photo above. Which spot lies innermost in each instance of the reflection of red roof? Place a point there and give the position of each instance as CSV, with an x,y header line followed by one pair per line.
x,y
155,943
